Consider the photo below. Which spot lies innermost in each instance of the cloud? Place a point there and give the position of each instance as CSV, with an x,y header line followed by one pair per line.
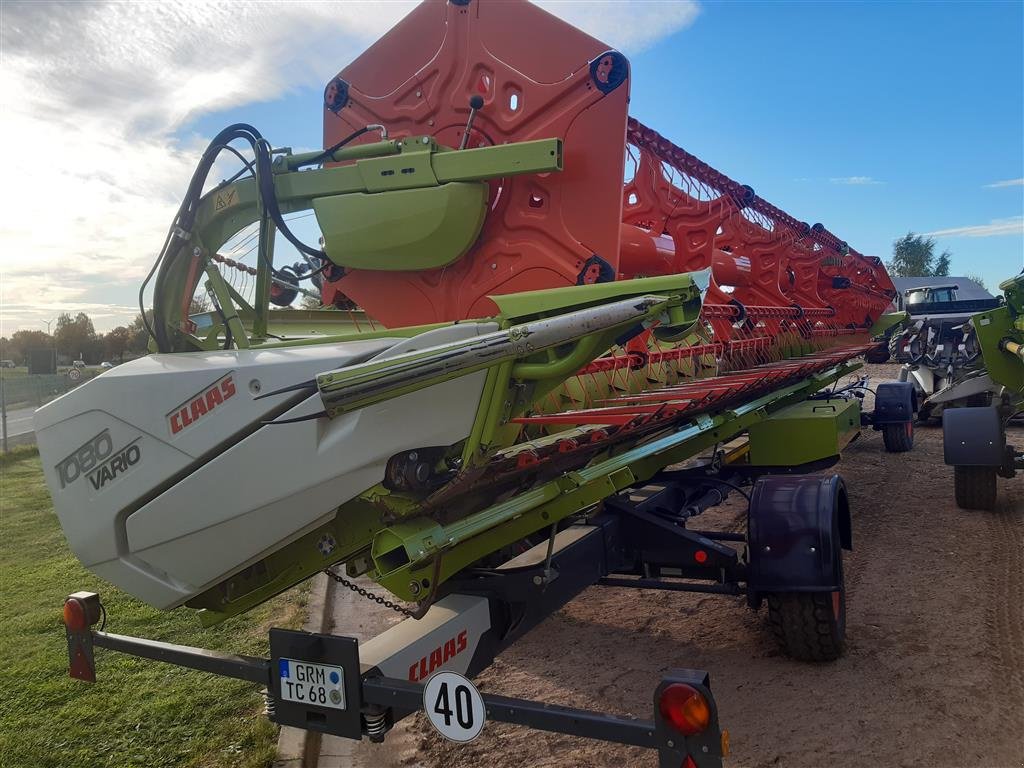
x,y
630,25
1011,226
1006,183
855,181
95,97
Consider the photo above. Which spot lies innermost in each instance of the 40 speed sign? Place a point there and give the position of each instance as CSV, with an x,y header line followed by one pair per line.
x,y
454,706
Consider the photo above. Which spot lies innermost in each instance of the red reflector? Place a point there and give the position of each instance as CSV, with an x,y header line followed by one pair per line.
x,y
685,709
74,615
700,556
526,459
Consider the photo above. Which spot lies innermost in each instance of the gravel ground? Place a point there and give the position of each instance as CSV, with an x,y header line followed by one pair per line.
x,y
933,674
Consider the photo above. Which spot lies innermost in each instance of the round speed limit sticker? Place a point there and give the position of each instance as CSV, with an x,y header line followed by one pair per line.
x,y
454,706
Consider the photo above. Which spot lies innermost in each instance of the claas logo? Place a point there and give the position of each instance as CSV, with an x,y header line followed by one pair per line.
x,y
200,405
441,655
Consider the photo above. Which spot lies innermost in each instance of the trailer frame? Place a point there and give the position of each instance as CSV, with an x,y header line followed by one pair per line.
x,y
628,541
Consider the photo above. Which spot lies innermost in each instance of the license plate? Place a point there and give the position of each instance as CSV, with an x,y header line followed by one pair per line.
x,y
308,683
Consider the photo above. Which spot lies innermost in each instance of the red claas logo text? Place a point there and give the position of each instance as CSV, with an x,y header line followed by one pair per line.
x,y
441,655
198,406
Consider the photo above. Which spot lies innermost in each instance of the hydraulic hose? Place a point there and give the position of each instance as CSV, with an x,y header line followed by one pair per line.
x,y
181,228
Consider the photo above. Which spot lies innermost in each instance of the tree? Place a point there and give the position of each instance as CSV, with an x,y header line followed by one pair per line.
x,y
74,335
139,335
914,256
116,342
22,342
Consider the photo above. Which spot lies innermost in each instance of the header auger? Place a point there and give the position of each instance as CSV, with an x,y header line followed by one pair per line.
x,y
539,305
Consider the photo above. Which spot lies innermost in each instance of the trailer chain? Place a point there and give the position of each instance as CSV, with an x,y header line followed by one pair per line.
x,y
369,595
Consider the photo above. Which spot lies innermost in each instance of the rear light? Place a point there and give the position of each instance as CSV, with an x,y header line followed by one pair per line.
x,y
74,615
81,611
685,709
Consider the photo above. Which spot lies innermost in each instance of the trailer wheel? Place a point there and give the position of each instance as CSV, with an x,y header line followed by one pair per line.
x,y
810,626
878,354
899,438
975,487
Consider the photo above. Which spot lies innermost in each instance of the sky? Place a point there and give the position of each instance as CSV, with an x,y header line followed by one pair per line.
x,y
872,118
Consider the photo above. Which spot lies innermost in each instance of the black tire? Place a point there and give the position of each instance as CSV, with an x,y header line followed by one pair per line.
x,y
878,354
810,626
924,415
975,487
899,438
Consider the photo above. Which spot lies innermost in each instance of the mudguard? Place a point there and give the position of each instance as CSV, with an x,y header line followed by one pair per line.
x,y
795,528
895,403
973,437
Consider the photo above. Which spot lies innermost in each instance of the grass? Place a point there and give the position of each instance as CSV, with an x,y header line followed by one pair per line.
x,y
139,714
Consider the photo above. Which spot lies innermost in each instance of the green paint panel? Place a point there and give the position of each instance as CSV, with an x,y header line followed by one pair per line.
x,y
540,156
998,326
530,303
805,432
887,321
411,229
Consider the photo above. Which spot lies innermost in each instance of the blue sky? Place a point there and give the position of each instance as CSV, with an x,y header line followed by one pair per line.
x,y
872,118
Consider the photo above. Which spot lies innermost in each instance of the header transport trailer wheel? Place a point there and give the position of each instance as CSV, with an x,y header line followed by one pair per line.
x,y
797,529
974,443
975,487
898,438
896,402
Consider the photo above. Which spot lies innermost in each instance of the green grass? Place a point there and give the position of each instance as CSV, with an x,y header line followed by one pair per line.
x,y
139,713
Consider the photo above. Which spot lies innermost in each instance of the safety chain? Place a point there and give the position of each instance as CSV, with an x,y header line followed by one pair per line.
x,y
369,595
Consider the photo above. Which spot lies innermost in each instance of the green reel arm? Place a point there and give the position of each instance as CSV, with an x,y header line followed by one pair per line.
x,y
398,204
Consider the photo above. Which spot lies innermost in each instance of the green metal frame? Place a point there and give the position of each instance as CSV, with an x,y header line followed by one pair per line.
x,y
1001,336
385,171
887,321
422,543
430,550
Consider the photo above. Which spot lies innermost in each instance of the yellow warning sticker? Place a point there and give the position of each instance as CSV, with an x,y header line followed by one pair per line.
x,y
225,199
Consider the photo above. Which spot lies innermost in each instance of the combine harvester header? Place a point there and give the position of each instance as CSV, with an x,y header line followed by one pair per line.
x,y
539,306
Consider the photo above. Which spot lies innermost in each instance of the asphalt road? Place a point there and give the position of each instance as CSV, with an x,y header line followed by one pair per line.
x,y
19,421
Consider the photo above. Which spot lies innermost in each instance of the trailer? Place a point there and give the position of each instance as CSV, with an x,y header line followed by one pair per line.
x,y
789,559
554,339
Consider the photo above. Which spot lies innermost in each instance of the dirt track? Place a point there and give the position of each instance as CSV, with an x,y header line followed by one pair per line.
x,y
933,675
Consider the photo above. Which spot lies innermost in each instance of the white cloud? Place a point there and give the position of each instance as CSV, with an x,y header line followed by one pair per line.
x,y
630,25
94,96
1011,226
855,181
1006,183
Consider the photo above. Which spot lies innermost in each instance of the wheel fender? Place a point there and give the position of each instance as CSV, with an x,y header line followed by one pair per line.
x,y
973,437
796,526
895,403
